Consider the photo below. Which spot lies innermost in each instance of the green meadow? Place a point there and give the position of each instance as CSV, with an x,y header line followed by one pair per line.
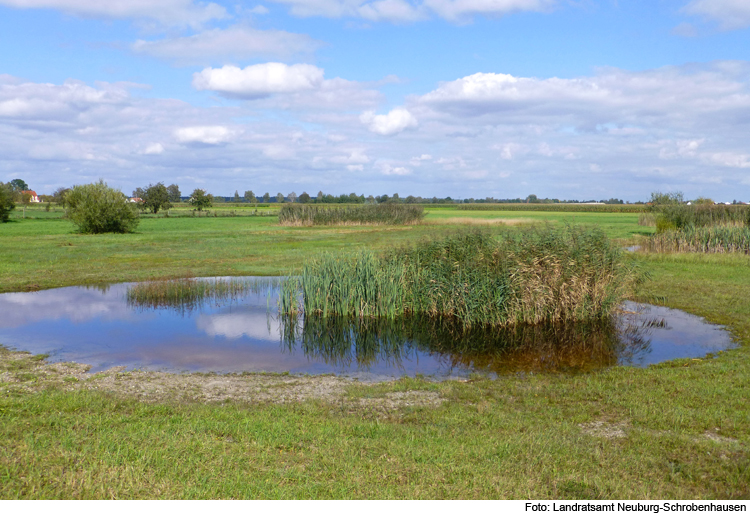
x,y
678,430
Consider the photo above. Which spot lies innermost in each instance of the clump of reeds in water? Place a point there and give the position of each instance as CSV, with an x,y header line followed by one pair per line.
x,y
523,276
187,294
716,239
369,214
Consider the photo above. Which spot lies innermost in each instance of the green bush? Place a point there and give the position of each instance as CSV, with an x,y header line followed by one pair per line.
x,y
98,208
6,202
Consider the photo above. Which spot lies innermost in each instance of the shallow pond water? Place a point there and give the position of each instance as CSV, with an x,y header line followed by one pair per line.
x,y
100,327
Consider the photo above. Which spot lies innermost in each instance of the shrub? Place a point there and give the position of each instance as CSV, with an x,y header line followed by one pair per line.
x,y
6,202
98,208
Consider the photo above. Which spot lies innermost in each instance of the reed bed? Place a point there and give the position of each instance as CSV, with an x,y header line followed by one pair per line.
x,y
552,207
690,239
682,216
187,294
525,276
370,214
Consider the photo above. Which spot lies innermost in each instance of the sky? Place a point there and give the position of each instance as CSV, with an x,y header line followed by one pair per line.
x,y
568,99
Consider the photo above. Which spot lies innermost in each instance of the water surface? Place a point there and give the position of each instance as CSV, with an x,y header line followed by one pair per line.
x,y
97,326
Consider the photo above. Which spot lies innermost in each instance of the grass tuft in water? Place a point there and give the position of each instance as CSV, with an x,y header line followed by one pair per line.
x,y
191,293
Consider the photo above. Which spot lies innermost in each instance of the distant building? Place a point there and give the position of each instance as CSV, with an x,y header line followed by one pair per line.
x,y
34,197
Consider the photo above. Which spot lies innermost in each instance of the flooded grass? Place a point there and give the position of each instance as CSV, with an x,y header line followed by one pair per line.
x,y
520,277
369,214
185,294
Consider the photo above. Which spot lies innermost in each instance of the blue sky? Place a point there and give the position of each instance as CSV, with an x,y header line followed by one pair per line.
x,y
571,99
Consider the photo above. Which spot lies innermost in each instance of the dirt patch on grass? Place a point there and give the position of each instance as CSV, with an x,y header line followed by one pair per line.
x,y
605,429
20,371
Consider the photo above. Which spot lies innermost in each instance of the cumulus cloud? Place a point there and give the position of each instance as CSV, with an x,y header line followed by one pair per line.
x,y
210,135
259,80
167,12
730,14
682,127
388,170
681,95
395,121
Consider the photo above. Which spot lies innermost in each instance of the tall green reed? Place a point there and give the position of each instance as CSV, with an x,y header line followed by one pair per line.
x,y
523,276
387,214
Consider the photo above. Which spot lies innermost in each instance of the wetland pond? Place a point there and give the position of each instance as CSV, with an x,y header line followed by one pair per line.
x,y
105,326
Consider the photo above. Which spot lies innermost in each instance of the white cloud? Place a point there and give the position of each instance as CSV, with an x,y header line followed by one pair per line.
x,y
393,122
730,14
210,135
355,168
612,98
388,169
461,9
408,11
259,80
154,148
168,12
236,43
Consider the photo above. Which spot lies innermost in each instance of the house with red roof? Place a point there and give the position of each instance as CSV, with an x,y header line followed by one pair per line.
x,y
34,197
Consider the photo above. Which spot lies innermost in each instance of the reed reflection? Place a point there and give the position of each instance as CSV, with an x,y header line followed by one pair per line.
x,y
343,342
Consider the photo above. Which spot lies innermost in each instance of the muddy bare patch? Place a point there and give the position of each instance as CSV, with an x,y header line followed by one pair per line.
x,y
27,373
605,429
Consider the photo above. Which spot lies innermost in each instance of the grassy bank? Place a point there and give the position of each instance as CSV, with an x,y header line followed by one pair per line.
x,y
675,430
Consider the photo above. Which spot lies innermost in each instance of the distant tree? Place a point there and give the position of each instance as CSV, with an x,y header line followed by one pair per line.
x,y
658,198
279,198
250,197
174,193
371,199
155,197
139,192
201,200
319,198
18,185
532,198
59,195
703,201
292,197
382,199
266,198
7,204
304,198
411,199
98,208
236,198
396,198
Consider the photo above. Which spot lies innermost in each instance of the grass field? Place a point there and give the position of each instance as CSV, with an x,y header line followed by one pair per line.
x,y
675,430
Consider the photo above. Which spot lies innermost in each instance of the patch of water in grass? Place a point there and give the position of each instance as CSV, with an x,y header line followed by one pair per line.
x,y
241,333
